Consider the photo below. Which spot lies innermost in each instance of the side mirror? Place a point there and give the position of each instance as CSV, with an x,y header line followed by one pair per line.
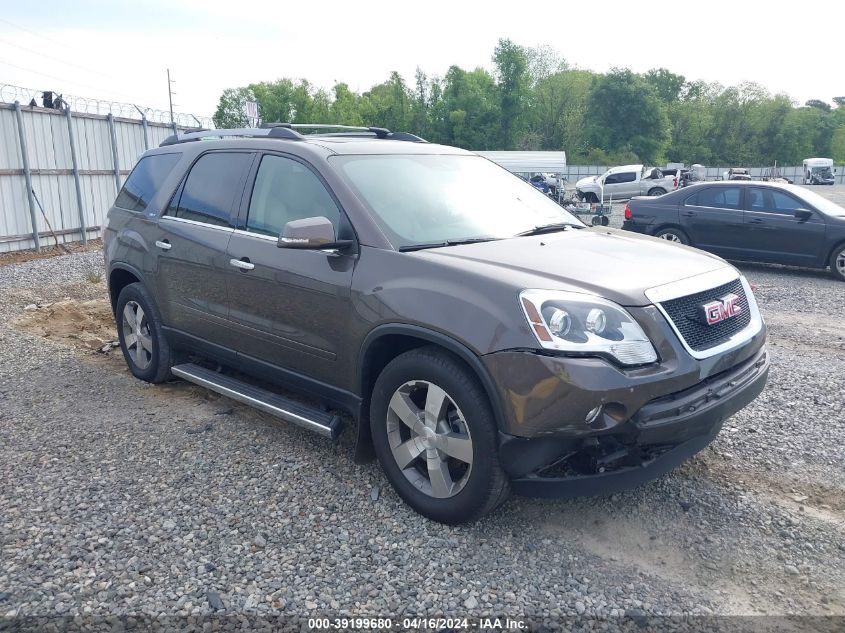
x,y
803,214
311,233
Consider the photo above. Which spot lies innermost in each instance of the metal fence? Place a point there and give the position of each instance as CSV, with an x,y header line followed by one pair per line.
x,y
60,170
792,172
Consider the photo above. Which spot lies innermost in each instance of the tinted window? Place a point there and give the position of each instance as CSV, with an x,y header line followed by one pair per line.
x,y
614,179
145,180
286,190
717,197
210,189
772,201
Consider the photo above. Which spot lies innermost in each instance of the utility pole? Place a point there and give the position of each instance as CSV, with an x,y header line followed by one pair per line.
x,y
170,83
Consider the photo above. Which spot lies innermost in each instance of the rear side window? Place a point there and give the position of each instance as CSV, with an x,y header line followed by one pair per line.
x,y
209,191
145,181
715,197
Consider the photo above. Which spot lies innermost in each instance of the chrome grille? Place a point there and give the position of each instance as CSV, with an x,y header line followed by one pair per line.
x,y
684,313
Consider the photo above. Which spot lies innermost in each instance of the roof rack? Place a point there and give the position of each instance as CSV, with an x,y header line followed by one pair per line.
x,y
349,130
288,131
273,132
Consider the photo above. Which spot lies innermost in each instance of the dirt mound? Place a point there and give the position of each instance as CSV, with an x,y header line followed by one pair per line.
x,y
86,324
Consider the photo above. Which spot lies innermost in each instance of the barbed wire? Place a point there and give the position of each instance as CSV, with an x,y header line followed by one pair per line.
x,y
10,93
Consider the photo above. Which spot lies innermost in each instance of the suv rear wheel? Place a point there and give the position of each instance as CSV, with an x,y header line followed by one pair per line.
x,y
435,437
141,338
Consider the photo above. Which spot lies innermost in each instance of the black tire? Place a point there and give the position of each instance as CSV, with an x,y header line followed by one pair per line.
x,y
485,485
160,357
657,191
672,234
837,262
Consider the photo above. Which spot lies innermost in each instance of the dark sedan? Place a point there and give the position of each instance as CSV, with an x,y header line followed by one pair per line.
x,y
752,221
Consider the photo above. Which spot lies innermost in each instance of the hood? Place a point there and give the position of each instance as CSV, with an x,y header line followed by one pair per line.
x,y
586,182
617,265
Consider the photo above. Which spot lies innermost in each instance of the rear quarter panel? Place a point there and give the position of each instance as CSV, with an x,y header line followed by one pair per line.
x,y
651,213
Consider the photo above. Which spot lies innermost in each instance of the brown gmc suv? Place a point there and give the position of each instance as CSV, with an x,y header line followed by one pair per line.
x,y
482,337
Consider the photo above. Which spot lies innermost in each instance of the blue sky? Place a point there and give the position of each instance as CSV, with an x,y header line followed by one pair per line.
x,y
120,50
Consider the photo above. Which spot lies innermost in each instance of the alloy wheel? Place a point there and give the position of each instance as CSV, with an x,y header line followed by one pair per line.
x,y
840,262
669,237
136,335
429,439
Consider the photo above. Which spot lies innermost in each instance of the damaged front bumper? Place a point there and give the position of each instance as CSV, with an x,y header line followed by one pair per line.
x,y
616,453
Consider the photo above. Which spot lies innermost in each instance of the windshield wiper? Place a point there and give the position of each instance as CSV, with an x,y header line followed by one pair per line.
x,y
550,228
469,240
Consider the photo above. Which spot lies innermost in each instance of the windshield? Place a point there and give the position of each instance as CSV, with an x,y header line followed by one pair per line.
x,y
821,203
822,171
422,199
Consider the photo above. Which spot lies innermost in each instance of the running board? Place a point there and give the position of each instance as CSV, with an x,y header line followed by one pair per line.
x,y
321,422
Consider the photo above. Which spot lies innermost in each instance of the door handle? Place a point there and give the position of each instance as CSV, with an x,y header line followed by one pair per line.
x,y
688,214
164,245
244,264
755,221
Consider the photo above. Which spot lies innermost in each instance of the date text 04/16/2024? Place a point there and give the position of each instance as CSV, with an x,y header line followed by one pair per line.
x,y
417,624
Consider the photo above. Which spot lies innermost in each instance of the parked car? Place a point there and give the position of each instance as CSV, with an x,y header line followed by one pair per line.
x,y
696,173
818,171
737,173
759,221
625,182
483,339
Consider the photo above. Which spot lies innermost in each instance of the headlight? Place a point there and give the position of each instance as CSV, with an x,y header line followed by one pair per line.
x,y
583,324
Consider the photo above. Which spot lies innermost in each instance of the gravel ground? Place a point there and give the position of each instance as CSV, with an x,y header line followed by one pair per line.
x,y
123,498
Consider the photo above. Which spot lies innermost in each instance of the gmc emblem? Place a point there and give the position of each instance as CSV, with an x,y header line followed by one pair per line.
x,y
721,309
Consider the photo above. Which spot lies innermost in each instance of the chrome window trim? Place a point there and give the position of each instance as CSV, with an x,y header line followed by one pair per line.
x,y
275,240
261,236
173,218
701,206
700,283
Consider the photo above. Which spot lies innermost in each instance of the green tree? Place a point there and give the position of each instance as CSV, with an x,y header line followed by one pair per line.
x,y
837,145
513,82
667,86
284,100
231,108
533,100
388,104
625,114
819,104
346,106
471,110
558,107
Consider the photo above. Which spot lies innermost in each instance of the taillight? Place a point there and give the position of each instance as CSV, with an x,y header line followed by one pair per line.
x,y
676,182
628,214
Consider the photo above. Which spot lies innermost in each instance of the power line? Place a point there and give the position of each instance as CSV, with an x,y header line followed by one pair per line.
x,y
43,37
66,80
57,59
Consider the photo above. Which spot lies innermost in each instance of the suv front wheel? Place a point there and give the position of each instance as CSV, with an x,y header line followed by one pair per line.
x,y
142,341
435,437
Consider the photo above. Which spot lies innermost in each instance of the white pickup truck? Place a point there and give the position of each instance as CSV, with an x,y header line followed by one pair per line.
x,y
625,182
